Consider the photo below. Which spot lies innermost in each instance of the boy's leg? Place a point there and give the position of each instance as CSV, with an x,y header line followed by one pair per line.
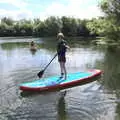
x,y
62,69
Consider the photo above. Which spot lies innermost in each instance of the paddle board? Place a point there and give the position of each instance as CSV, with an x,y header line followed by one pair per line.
x,y
54,82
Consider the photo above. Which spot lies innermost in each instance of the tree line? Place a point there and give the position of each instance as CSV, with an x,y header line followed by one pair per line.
x,y
107,26
50,27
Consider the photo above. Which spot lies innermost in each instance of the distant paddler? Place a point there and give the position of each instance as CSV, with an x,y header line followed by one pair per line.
x,y
33,46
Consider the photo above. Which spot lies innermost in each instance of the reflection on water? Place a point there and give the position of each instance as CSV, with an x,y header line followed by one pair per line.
x,y
61,108
112,74
99,100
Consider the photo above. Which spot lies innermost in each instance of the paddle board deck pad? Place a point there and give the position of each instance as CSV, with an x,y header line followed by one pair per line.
x,y
54,82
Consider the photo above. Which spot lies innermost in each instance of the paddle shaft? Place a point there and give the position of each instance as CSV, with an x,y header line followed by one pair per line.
x,y
42,71
50,62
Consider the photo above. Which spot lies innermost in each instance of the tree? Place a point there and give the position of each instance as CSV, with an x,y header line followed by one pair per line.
x,y
7,21
111,8
69,26
97,26
36,21
40,29
23,27
54,25
82,29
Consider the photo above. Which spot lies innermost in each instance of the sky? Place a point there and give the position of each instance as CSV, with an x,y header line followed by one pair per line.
x,y
29,9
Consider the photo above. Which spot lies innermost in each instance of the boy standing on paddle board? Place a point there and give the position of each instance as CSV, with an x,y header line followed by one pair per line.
x,y
61,51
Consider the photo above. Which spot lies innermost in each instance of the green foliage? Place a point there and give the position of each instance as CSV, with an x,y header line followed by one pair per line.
x,y
108,26
111,8
97,26
53,25
7,21
40,29
82,29
50,27
69,26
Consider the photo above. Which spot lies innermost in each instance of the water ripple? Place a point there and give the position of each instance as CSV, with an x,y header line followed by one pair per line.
x,y
90,105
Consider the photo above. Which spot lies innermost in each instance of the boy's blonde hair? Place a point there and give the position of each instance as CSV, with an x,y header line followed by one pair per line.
x,y
60,35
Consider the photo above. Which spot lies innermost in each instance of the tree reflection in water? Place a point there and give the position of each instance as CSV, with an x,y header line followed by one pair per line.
x,y
61,107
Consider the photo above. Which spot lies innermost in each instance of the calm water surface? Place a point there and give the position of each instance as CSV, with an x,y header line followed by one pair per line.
x,y
99,100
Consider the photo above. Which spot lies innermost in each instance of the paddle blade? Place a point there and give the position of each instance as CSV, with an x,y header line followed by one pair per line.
x,y
40,73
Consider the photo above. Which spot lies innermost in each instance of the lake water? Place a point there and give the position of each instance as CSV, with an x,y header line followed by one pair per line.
x,y
99,100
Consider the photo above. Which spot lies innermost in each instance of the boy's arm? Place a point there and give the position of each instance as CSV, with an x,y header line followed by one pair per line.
x,y
66,45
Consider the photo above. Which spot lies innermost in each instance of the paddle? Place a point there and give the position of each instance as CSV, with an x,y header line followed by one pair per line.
x,y
42,71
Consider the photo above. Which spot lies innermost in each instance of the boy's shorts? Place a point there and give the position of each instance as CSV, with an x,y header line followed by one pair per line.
x,y
61,59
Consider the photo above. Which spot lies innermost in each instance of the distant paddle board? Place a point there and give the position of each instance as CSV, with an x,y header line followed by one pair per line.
x,y
54,82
